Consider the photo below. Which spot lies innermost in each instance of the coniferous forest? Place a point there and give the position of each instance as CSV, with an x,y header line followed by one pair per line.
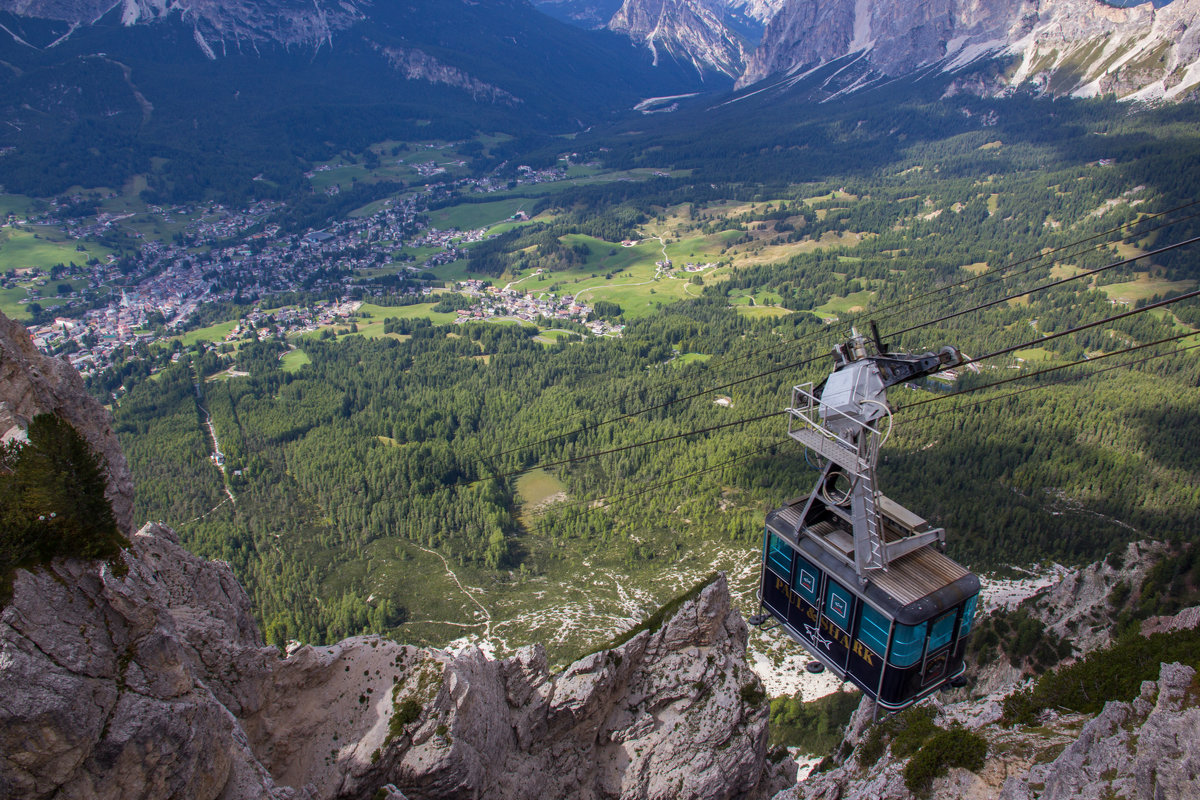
x,y
359,481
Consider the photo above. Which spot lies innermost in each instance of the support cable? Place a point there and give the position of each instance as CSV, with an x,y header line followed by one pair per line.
x,y
1027,375
810,360
1064,379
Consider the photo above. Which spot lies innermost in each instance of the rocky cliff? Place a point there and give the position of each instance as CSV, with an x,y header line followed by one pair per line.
x,y
1083,47
218,24
1144,749
32,383
690,31
156,683
712,36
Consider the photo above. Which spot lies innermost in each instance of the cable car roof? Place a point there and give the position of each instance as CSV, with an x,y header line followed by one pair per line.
x,y
915,587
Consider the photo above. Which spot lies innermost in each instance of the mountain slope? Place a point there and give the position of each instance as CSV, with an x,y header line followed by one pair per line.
x,y
690,31
260,87
156,683
712,36
1082,47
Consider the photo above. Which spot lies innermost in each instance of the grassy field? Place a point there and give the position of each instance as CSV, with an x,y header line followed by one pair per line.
x,y
691,358
22,249
9,303
534,489
469,216
1035,354
845,305
505,227
552,336
213,333
454,271
380,313
14,204
294,360
762,312
1143,288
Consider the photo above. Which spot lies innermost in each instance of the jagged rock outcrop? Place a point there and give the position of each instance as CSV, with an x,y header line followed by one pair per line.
x,y
155,683
417,65
220,26
690,31
1084,47
104,692
1145,749
672,713
32,383
1076,608
585,13
1185,620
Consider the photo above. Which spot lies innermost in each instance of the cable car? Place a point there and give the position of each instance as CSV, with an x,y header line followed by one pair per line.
x,y
857,579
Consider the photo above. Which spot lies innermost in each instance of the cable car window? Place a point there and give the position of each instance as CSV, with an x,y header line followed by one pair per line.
x,y
779,556
808,581
942,630
907,645
839,603
873,629
968,616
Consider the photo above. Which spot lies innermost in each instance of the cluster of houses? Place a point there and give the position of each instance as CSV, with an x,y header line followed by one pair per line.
x,y
492,301
226,254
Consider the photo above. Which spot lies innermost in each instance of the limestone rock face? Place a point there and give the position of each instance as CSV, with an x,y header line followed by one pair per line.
x,y
1144,749
1147,749
155,683
1082,47
691,31
1185,620
672,713
104,696
32,383
220,26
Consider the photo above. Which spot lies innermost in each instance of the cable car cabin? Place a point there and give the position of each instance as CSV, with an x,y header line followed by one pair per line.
x,y
899,638
856,578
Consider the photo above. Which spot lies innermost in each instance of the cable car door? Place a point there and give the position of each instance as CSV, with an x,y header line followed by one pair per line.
x,y
937,649
836,623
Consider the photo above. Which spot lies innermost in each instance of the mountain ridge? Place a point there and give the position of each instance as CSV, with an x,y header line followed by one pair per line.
x,y
1079,47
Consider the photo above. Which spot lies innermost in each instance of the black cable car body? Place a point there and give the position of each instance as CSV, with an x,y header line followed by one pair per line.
x,y
857,579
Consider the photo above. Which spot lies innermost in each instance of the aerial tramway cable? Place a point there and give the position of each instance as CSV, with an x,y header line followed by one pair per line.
x,y
1064,379
1057,367
812,359
606,503
1052,284
746,420
992,276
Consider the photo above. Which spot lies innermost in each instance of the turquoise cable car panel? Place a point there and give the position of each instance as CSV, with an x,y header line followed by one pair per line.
x,y
968,617
873,629
779,556
907,645
942,630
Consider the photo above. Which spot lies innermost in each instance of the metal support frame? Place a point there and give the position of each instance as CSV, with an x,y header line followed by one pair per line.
x,y
856,454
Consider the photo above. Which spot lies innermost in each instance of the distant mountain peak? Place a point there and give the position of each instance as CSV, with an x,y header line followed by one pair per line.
x,y
1083,47
690,31
711,36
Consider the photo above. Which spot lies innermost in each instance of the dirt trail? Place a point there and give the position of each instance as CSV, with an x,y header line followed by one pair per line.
x,y
487,615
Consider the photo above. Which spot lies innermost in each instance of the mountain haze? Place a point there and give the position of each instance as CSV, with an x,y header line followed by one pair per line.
x,y
259,88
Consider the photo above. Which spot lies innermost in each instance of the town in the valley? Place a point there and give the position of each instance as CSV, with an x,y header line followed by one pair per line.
x,y
99,311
